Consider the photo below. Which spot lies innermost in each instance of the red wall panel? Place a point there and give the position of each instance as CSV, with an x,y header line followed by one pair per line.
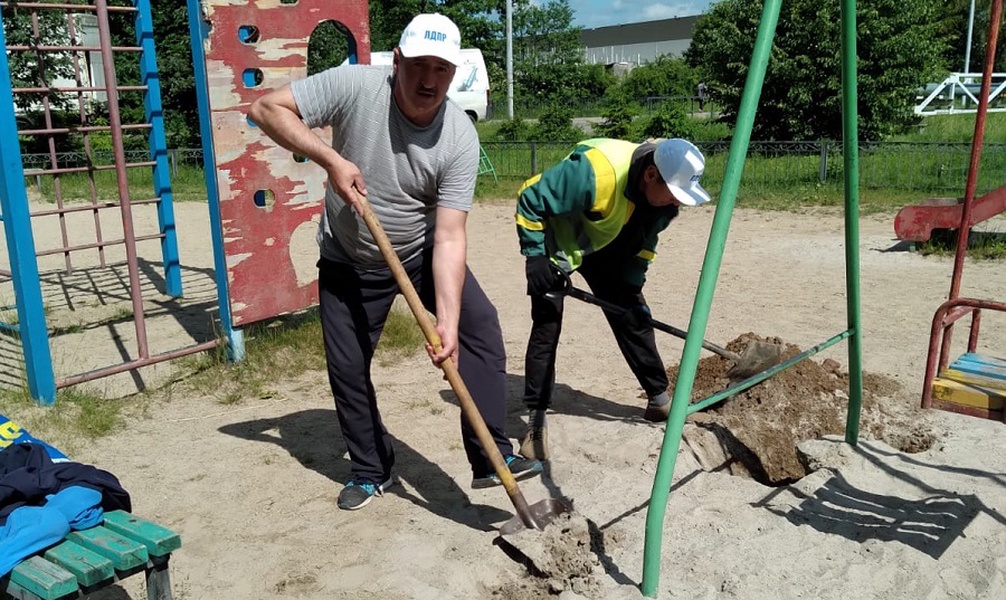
x,y
270,204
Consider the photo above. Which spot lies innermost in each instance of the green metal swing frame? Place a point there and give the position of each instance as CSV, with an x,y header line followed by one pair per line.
x,y
681,406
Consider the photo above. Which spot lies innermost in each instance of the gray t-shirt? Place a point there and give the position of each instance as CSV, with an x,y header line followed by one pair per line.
x,y
409,171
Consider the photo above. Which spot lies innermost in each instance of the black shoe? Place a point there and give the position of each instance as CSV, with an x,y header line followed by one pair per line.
x,y
359,492
520,467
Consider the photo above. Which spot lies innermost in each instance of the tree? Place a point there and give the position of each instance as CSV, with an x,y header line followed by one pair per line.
x,y
669,121
480,21
899,50
548,58
556,124
953,24
26,70
477,19
174,62
617,122
176,75
665,76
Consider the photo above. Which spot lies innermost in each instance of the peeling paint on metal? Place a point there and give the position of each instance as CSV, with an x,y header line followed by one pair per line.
x,y
270,273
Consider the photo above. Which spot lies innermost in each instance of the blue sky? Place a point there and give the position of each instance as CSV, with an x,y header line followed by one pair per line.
x,y
599,13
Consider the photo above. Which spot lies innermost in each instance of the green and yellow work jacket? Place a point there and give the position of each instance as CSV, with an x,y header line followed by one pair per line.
x,y
588,202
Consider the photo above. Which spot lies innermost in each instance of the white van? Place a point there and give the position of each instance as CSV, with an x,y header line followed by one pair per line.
x,y
470,87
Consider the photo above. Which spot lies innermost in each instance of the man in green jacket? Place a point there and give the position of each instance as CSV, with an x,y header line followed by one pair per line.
x,y
599,212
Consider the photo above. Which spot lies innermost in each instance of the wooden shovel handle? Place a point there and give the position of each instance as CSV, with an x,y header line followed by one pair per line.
x,y
468,408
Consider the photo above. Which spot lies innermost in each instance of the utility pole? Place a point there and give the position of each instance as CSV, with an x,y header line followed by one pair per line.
x,y
967,49
509,58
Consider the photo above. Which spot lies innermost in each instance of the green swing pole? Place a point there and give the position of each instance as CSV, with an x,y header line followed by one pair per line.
x,y
704,297
850,153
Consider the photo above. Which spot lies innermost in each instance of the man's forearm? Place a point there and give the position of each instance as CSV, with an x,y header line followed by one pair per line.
x,y
450,247
449,279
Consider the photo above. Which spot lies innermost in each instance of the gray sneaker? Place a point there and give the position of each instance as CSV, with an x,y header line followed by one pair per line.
x,y
520,467
534,444
359,492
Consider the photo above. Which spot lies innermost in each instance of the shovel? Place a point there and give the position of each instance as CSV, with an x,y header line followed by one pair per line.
x,y
535,516
757,357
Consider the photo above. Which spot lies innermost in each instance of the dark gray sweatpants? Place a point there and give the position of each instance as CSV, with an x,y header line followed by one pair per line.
x,y
354,306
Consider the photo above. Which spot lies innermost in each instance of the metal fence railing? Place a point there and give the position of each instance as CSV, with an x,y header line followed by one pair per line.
x,y
176,157
913,166
533,108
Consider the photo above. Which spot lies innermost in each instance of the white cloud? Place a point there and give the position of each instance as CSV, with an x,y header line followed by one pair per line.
x,y
667,10
598,13
631,11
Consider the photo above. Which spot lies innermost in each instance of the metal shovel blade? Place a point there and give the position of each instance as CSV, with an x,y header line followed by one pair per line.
x,y
757,357
543,513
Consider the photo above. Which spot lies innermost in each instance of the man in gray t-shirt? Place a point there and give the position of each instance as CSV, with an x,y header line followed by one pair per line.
x,y
414,154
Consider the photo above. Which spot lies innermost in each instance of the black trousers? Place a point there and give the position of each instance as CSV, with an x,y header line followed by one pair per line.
x,y
354,307
633,334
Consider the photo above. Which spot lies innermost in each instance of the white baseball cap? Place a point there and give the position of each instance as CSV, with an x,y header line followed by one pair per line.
x,y
681,165
432,35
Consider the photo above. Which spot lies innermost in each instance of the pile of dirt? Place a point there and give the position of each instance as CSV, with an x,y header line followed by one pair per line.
x,y
755,433
560,559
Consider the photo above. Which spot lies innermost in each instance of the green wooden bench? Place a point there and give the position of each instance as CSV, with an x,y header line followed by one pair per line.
x,y
89,560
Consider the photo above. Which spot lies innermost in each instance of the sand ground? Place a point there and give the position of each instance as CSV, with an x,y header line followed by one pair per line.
x,y
252,487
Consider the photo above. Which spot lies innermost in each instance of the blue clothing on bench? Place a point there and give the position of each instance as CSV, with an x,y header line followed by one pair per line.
x,y
31,529
80,506
28,475
28,530
41,501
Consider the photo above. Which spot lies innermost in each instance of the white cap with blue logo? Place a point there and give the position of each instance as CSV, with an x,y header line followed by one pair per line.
x,y
681,165
432,35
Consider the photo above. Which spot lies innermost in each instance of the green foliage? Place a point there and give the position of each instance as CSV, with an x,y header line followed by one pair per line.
x,y
544,35
514,130
952,23
78,416
401,336
570,83
176,76
25,68
665,76
898,46
982,245
327,48
187,182
100,141
710,130
617,122
958,127
475,18
556,124
669,121
548,63
389,17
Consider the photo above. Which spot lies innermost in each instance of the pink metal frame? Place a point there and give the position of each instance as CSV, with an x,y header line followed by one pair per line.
x,y
43,89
